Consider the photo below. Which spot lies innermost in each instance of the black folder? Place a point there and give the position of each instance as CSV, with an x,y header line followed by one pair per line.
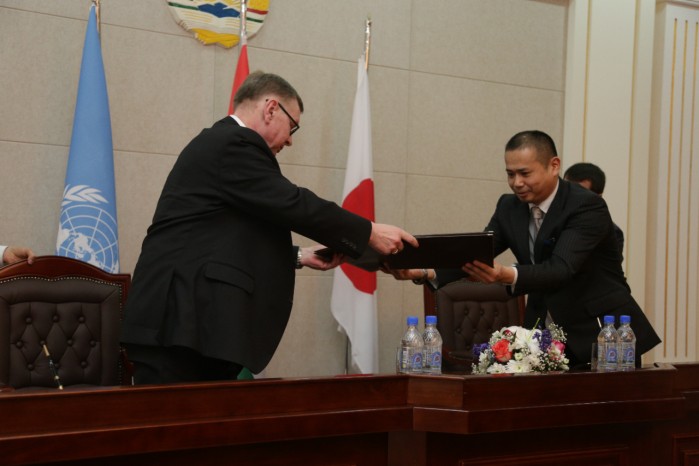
x,y
442,251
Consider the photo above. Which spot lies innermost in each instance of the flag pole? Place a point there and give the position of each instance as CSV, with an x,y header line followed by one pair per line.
x,y
97,14
243,21
367,42
367,46
242,69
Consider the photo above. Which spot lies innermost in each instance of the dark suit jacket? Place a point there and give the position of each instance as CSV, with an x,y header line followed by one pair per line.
x,y
216,271
577,276
619,235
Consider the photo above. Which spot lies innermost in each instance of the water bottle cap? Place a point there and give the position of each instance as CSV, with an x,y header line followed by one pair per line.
x,y
608,319
625,319
412,320
430,319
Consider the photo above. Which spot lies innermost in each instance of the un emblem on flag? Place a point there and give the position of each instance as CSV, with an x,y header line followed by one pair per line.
x,y
88,228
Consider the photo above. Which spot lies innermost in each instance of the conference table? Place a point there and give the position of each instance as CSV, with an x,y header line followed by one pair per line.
x,y
645,417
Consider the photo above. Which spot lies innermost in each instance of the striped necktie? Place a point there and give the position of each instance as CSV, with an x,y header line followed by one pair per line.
x,y
537,217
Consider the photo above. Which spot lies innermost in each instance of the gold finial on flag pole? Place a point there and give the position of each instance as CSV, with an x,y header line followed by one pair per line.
x,y
97,14
367,42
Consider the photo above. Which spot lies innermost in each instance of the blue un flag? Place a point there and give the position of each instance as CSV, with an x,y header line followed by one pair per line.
x,y
87,228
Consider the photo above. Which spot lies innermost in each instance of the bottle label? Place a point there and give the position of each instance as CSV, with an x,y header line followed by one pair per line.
x,y
416,361
411,360
433,360
610,354
404,360
628,355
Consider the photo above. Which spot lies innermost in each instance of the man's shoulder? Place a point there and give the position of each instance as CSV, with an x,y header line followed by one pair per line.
x,y
574,190
575,197
509,201
228,130
226,124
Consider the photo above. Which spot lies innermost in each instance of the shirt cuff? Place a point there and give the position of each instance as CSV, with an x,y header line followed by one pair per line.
x,y
514,281
434,283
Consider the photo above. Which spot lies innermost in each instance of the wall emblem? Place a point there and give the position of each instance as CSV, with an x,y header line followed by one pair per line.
x,y
218,21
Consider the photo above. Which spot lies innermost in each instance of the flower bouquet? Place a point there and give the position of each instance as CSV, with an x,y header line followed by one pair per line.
x,y
514,350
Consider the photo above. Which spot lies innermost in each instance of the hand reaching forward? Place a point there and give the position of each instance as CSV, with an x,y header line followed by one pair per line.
x,y
410,274
388,239
310,259
480,272
15,254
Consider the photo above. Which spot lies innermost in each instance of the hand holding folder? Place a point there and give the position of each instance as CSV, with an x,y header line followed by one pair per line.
x,y
445,251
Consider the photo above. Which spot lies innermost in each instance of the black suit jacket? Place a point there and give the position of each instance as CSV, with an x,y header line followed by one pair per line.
x,y
578,276
216,271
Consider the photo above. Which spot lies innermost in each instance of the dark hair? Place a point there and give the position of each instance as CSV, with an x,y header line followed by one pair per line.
x,y
542,142
259,83
587,171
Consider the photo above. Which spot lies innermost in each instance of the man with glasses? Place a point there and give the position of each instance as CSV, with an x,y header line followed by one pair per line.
x,y
213,287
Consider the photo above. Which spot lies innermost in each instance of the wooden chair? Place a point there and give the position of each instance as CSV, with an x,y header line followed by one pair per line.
x,y
73,308
467,314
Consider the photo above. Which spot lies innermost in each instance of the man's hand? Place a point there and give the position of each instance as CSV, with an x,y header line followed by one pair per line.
x,y
310,259
409,274
480,272
14,254
388,239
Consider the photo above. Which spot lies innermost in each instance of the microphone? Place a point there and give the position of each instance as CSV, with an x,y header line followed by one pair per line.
x,y
52,366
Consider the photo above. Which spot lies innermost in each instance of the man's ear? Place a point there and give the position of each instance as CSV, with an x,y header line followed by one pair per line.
x,y
268,110
555,164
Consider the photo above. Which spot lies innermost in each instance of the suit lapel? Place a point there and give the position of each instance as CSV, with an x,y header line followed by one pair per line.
x,y
521,233
550,219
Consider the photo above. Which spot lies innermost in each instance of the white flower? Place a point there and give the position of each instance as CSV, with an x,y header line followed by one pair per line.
x,y
525,339
518,367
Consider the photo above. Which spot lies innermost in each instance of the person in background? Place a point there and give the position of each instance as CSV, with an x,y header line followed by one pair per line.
x,y
568,259
213,287
590,176
12,254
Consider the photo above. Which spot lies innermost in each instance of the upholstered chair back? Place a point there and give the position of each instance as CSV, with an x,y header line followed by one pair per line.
x,y
72,308
467,314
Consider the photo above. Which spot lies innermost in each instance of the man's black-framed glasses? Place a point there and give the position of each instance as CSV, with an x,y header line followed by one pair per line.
x,y
296,125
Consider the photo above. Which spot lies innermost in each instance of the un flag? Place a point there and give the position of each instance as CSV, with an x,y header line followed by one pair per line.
x,y
88,223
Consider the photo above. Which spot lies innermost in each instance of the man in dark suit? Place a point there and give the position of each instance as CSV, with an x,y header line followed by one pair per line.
x,y
213,287
590,176
571,269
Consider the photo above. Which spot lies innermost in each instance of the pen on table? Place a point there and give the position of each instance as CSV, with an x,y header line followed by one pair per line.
x,y
53,368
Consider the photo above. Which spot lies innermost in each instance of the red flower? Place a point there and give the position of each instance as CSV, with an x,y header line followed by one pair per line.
x,y
502,352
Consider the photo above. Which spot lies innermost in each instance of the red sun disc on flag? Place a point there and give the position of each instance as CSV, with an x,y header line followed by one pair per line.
x,y
361,202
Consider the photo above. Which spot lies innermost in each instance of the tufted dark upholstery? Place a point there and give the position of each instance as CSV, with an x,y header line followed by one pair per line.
x,y
467,314
73,308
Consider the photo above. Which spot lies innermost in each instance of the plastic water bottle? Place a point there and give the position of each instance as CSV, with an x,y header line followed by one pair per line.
x,y
411,347
608,347
627,345
432,360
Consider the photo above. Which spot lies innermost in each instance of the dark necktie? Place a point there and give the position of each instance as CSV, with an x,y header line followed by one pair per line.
x,y
537,217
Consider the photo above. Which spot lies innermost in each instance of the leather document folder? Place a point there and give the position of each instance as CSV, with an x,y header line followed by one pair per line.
x,y
441,251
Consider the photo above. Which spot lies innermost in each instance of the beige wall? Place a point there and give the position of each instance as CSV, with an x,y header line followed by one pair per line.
x,y
673,227
451,81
